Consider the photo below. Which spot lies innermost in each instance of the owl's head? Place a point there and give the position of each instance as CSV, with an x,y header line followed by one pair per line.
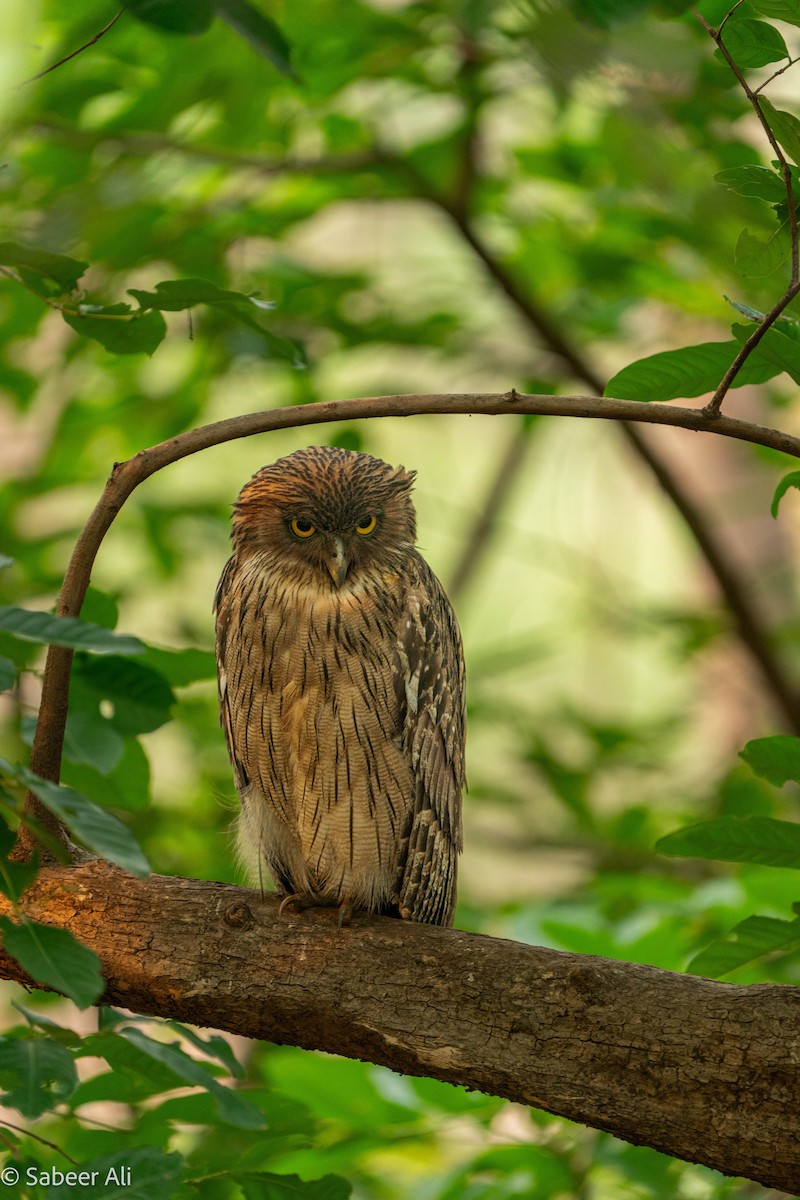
x,y
327,514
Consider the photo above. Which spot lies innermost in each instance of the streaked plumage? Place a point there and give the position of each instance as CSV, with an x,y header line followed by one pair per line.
x,y
341,684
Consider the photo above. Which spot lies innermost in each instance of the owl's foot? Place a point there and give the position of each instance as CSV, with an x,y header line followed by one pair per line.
x,y
298,902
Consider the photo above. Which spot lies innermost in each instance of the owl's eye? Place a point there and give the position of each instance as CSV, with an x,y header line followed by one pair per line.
x,y
366,525
301,527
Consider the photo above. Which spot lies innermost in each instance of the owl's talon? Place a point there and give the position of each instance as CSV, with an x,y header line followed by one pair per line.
x,y
345,913
299,901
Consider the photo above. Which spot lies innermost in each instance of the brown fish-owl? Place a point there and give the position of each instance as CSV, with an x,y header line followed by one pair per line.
x,y
341,686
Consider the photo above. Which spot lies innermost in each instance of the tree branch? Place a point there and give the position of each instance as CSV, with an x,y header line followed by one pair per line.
x,y
700,1070
751,629
126,476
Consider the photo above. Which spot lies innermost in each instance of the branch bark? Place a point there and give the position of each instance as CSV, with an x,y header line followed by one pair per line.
x,y
701,1070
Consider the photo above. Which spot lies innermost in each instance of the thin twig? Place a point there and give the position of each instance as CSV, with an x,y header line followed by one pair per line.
x,y
80,50
715,403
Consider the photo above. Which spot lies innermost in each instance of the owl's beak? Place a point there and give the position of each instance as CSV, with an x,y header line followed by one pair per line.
x,y
339,562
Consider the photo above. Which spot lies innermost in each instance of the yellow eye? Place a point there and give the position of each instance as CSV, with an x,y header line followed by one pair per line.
x,y
301,527
366,525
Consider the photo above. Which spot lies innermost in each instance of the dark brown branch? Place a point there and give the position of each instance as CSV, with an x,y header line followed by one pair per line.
x,y
48,743
700,1070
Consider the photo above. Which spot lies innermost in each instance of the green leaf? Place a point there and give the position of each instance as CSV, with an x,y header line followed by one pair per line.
x,y
785,126
776,759
176,295
775,347
15,877
8,674
65,631
757,257
750,939
679,374
176,16
55,958
91,739
55,273
181,667
214,1046
141,697
99,831
127,786
754,43
778,10
233,1108
37,1072
263,1185
259,30
118,328
737,839
789,481
136,1173
752,180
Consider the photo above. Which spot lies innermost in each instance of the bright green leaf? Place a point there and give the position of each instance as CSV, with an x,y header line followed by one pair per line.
x,y
777,758
232,1106
141,696
56,270
757,257
54,958
754,43
91,739
750,939
181,667
737,839
785,126
36,1072
778,10
752,180
8,674
175,16
176,295
263,1185
99,831
65,631
118,328
259,30
681,374
15,877
789,481
135,1173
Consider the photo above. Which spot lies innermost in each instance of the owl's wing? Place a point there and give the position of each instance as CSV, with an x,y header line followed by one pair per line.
x,y
223,602
432,683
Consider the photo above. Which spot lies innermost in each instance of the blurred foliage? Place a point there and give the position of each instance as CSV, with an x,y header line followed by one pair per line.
x,y
361,198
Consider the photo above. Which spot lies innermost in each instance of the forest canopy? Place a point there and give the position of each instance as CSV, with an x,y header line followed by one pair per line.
x,y
221,208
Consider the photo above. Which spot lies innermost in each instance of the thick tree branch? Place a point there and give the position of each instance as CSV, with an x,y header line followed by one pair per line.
x,y
700,1070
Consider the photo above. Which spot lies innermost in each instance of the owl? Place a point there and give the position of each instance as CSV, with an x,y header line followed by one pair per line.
x,y
341,689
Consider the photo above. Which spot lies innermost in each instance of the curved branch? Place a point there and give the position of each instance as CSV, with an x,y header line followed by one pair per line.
x,y
751,629
700,1070
126,476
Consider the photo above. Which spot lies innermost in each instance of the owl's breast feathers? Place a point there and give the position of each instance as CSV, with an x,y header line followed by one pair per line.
x,y
343,711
